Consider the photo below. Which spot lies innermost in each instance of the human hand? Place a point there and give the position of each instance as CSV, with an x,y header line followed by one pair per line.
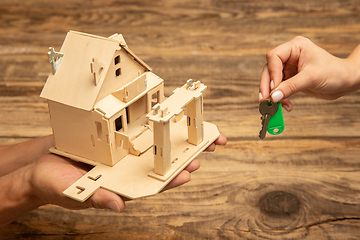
x,y
39,177
300,65
52,174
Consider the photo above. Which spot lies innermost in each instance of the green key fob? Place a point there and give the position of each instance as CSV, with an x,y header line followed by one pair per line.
x,y
276,123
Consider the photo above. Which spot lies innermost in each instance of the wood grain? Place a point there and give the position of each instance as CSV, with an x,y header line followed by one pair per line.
x,y
302,184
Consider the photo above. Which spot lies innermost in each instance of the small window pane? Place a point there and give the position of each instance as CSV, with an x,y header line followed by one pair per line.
x,y
118,123
118,72
117,60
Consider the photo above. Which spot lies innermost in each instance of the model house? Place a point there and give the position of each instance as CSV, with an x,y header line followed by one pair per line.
x,y
108,109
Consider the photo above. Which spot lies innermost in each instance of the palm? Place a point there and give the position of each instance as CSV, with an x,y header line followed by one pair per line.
x,y
53,174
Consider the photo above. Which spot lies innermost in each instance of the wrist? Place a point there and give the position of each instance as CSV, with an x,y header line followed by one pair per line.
x,y
16,195
353,63
352,75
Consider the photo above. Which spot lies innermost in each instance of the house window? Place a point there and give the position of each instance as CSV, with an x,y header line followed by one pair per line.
x,y
117,60
99,130
118,72
155,98
119,123
127,115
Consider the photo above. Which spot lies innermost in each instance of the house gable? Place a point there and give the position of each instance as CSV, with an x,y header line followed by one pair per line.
x,y
122,70
79,79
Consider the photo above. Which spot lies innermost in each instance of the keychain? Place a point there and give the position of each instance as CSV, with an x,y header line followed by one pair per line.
x,y
276,123
272,118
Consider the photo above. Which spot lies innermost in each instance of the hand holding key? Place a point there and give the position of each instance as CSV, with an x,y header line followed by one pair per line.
x,y
300,65
267,109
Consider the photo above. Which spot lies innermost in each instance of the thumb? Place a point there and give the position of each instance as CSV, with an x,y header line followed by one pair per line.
x,y
287,88
105,199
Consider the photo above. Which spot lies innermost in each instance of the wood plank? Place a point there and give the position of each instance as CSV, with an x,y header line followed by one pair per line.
x,y
271,192
233,23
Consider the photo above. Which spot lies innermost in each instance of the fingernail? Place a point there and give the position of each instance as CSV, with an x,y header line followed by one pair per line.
x,y
286,108
112,205
277,96
260,96
272,85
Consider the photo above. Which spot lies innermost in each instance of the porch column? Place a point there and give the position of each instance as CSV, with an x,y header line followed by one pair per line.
x,y
162,147
194,112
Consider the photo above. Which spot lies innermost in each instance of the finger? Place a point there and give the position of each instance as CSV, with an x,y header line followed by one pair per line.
x,y
105,199
288,53
193,166
275,67
264,90
221,140
287,105
287,88
182,178
210,148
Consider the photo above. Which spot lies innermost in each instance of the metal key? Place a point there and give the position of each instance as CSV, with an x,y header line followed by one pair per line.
x,y
267,109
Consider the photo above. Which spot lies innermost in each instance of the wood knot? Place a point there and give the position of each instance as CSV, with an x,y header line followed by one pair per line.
x,y
279,204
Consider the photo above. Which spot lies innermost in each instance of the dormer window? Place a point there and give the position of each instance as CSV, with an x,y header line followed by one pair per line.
x,y
118,72
117,60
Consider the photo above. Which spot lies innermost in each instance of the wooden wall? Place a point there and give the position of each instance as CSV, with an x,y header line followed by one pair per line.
x,y
302,184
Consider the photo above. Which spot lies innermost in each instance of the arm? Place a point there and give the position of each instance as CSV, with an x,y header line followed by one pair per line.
x,y
15,196
300,65
15,156
42,182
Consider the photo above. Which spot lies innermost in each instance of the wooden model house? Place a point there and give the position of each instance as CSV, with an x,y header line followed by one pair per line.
x,y
108,109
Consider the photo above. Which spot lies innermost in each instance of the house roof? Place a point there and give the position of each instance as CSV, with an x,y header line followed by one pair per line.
x,y
73,82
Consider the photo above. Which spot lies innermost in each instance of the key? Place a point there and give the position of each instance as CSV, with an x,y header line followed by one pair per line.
x,y
267,109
